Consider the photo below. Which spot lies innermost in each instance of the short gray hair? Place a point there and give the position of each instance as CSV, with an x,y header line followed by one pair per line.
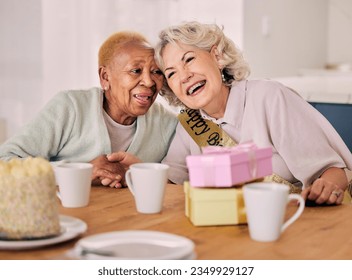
x,y
203,36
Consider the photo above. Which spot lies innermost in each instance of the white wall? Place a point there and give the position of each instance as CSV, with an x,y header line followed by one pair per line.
x,y
339,32
20,62
51,45
281,37
68,42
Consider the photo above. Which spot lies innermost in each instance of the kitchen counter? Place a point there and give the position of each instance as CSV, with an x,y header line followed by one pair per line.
x,y
326,89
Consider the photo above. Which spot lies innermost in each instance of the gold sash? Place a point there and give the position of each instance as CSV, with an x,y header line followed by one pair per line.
x,y
204,132
207,133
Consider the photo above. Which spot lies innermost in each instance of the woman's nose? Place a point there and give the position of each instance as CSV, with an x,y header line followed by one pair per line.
x,y
185,76
147,79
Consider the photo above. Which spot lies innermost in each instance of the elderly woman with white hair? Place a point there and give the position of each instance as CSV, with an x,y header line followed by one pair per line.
x,y
206,74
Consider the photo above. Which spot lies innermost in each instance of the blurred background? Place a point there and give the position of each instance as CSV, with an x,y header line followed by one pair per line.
x,y
51,45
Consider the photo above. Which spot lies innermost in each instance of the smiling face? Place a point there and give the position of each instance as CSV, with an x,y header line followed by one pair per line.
x,y
194,76
131,81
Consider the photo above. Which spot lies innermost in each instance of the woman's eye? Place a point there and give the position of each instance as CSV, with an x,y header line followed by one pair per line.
x,y
170,75
157,72
136,71
189,59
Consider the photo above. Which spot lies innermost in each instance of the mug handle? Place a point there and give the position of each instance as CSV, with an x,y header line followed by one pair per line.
x,y
128,178
298,212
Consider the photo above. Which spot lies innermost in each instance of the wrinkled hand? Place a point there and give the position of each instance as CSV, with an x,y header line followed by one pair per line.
x,y
323,191
124,158
107,173
119,162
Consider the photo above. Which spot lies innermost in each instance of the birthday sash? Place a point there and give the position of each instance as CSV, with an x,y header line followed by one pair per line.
x,y
204,132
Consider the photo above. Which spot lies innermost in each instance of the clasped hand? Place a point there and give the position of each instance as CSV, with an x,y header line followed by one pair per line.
x,y
109,170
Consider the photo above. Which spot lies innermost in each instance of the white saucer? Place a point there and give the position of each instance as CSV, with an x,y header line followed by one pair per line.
x,y
71,227
135,244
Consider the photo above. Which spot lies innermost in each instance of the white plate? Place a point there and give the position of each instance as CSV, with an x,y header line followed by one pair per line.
x,y
71,227
135,244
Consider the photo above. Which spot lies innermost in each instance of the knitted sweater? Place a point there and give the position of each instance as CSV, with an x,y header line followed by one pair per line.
x,y
71,127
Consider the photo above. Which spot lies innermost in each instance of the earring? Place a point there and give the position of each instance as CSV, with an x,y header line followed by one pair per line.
x,y
223,77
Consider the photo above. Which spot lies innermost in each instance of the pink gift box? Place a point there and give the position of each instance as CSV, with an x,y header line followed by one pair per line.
x,y
226,167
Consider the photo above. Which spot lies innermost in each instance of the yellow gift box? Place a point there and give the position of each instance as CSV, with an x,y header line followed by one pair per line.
x,y
214,206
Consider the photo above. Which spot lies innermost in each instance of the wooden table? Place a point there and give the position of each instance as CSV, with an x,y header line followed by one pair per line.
x,y
320,233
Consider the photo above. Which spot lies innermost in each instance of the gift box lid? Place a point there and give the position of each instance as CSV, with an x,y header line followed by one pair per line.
x,y
213,159
227,156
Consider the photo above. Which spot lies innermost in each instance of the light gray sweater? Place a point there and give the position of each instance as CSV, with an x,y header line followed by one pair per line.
x,y
72,127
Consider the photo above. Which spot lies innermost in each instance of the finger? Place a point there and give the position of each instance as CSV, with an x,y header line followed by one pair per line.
x,y
336,197
103,173
324,197
330,194
118,156
332,198
106,182
305,193
116,185
316,191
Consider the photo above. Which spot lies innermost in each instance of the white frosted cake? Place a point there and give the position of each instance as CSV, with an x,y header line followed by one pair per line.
x,y
28,203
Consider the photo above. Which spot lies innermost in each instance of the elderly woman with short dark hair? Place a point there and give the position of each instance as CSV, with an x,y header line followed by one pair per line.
x,y
121,116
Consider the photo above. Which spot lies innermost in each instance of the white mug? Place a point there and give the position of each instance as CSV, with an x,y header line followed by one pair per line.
x,y
147,182
74,181
265,205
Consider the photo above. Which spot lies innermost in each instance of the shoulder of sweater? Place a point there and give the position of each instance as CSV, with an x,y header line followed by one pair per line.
x,y
266,88
83,98
265,85
80,94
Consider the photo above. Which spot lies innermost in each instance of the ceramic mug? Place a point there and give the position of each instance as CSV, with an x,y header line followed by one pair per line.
x,y
265,205
74,181
147,182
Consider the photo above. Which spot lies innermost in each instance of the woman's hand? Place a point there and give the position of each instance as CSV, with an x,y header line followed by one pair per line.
x,y
107,173
124,158
323,191
328,189
111,168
